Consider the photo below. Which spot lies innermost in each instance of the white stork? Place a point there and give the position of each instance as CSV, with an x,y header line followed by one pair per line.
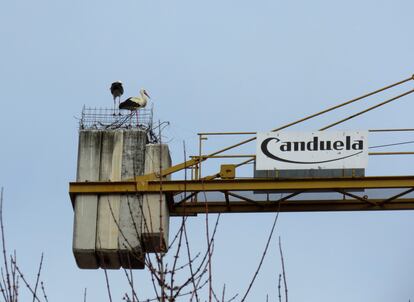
x,y
136,102
117,90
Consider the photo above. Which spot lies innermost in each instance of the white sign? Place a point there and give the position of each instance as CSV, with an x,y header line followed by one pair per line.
x,y
312,150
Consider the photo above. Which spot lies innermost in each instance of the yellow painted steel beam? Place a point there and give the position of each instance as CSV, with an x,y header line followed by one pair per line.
x,y
392,130
187,209
391,153
224,156
367,110
176,186
170,170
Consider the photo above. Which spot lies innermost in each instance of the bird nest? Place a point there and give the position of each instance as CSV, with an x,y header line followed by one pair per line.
x,y
104,118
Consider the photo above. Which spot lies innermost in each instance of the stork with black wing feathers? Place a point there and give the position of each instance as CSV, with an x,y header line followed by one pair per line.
x,y
117,91
136,102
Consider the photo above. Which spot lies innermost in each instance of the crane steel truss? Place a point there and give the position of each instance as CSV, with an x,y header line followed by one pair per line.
x,y
219,194
237,189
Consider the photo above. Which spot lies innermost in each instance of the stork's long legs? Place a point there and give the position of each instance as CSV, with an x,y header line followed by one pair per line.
x,y
119,102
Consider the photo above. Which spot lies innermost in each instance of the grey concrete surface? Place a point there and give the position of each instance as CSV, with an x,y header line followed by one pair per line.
x,y
130,211
111,231
155,209
84,230
108,205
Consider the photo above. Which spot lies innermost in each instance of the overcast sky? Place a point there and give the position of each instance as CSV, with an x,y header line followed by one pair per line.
x,y
209,66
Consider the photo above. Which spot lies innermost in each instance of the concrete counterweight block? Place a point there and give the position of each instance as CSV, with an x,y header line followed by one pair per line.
x,y
155,208
109,205
85,207
108,228
130,213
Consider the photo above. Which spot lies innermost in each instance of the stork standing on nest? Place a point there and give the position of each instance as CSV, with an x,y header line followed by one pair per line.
x,y
117,91
136,102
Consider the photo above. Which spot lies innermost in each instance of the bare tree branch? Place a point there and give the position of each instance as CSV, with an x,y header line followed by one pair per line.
x,y
107,285
7,286
279,287
262,258
38,276
42,285
283,270
26,283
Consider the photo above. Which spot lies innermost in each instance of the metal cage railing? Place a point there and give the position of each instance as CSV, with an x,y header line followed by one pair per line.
x,y
105,118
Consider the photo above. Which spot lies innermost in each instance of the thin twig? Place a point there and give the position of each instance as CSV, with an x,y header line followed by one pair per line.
x,y
190,263
262,258
25,282
131,284
233,298
2,289
42,285
8,286
173,270
206,254
215,296
107,285
180,295
184,265
153,275
134,295
4,286
17,289
176,235
283,270
210,285
279,287
14,277
38,276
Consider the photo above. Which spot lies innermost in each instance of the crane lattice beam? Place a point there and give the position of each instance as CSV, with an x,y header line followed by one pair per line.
x,y
183,199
